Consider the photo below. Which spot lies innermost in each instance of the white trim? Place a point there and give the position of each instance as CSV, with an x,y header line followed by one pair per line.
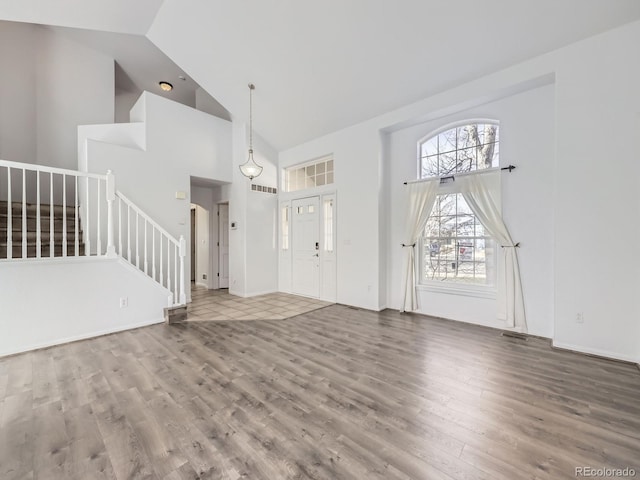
x,y
251,294
593,351
56,260
46,169
86,336
465,290
498,324
452,125
308,192
306,163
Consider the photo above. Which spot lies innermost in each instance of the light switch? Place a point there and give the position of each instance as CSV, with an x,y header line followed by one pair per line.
x,y
181,195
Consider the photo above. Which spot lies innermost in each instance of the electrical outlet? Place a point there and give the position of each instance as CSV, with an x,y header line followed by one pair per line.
x,y
579,317
124,302
204,276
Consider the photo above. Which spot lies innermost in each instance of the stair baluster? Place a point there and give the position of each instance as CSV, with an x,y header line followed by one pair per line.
x,y
9,216
24,213
25,222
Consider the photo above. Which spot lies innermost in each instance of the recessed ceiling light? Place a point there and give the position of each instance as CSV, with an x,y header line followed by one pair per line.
x,y
166,86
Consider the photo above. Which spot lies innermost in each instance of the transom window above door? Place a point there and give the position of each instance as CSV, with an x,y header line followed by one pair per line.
x,y
464,148
309,175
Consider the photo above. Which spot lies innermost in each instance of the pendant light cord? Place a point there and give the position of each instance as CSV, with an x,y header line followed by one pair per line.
x,y
251,88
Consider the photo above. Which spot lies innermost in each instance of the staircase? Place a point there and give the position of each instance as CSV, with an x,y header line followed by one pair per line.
x,y
49,225
51,243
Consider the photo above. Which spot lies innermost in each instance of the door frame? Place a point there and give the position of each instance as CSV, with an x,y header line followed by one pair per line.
x,y
328,277
218,249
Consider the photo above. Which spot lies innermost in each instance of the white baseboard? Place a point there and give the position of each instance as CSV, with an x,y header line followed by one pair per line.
x,y
594,351
251,294
62,341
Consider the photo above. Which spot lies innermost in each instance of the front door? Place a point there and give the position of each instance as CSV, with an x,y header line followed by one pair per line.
x,y
305,243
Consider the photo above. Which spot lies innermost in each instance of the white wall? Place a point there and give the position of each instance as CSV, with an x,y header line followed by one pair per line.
x,y
597,210
526,140
74,299
596,104
75,86
262,224
17,92
49,86
123,102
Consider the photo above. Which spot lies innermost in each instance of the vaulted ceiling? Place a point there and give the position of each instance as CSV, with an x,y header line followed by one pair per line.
x,y
321,66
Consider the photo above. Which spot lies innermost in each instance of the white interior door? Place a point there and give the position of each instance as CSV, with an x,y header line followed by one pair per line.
x,y
305,243
223,246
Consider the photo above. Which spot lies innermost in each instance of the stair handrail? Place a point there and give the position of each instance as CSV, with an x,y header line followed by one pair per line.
x,y
46,169
179,293
126,200
176,247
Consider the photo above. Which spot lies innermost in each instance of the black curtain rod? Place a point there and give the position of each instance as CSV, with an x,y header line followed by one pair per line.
x,y
453,177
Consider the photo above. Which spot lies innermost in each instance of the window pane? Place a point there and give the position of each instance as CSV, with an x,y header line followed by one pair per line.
x,y
308,176
455,248
432,229
463,206
329,178
447,141
430,167
328,225
430,147
461,149
495,161
465,226
285,228
447,226
447,204
310,182
447,163
466,159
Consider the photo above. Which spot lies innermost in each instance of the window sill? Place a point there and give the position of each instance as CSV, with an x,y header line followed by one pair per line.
x,y
477,291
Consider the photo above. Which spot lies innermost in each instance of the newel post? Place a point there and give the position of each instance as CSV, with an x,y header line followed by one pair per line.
x,y
182,253
111,196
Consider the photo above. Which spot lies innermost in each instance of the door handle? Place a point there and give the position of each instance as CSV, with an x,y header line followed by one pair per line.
x,y
316,255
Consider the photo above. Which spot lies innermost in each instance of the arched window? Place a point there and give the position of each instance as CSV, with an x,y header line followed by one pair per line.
x,y
455,248
464,148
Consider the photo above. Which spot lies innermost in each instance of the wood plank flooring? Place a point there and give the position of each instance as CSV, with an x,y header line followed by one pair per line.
x,y
336,393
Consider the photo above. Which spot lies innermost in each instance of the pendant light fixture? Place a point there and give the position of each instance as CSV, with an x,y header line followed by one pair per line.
x,y
250,168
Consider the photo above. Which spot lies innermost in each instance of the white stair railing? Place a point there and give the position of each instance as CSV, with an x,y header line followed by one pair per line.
x,y
52,195
25,190
149,247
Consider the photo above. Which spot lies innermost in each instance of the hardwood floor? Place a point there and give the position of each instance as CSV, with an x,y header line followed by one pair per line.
x,y
336,393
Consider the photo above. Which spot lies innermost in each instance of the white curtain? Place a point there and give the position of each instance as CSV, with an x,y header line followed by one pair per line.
x,y
421,197
481,193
